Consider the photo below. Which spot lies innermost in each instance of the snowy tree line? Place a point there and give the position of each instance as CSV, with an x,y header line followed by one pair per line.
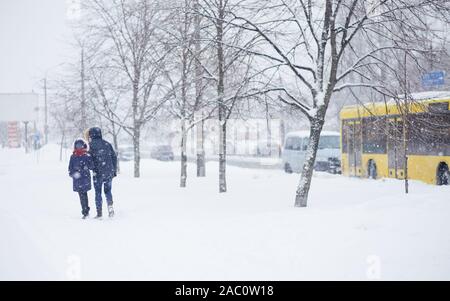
x,y
144,62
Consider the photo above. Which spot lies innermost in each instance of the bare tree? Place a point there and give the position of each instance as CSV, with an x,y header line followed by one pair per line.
x,y
131,38
65,108
106,94
198,70
402,79
183,77
231,73
316,37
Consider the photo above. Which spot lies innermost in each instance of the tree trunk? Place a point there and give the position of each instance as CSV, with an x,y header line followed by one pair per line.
x,y
201,170
301,197
63,137
137,153
116,149
221,105
222,157
269,130
184,134
116,144
282,135
258,151
183,175
136,127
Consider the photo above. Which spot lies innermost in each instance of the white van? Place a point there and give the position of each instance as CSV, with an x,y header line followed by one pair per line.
x,y
328,156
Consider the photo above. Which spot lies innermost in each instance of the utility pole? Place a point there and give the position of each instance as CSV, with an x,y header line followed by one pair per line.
x,y
45,111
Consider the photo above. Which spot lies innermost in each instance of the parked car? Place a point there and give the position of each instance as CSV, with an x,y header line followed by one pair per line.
x,y
328,156
162,152
126,152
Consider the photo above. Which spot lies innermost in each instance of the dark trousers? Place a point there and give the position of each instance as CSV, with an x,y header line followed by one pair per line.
x,y
84,203
107,187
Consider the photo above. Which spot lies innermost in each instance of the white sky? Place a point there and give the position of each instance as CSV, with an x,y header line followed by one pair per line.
x,y
33,39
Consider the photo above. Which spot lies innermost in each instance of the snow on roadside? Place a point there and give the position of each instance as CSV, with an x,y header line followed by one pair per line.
x,y
352,229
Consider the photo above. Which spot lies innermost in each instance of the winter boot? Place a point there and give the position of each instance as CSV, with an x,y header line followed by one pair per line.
x,y
110,211
85,216
99,214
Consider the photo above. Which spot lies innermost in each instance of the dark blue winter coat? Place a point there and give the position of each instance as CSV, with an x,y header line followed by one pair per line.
x,y
79,170
103,155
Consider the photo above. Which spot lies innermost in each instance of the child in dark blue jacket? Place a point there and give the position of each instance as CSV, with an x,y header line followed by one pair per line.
x,y
79,170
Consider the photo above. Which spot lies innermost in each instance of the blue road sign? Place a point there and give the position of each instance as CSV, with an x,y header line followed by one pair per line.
x,y
435,78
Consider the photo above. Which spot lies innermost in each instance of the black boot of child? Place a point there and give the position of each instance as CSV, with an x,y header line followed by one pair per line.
x,y
84,204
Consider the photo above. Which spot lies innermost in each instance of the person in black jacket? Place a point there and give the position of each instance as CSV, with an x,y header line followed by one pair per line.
x,y
105,169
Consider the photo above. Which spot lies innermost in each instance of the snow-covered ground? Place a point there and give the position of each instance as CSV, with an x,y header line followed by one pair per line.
x,y
353,228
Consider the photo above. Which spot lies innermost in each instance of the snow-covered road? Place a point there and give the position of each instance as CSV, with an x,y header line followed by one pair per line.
x,y
353,228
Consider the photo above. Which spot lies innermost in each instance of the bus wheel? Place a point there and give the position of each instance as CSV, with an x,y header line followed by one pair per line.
x,y
371,170
287,168
443,175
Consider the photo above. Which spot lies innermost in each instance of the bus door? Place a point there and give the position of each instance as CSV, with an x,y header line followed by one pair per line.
x,y
354,147
396,155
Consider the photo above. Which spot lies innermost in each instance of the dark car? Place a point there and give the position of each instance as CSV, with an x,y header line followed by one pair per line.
x,y
162,152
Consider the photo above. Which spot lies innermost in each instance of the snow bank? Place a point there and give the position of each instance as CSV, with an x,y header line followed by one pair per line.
x,y
353,229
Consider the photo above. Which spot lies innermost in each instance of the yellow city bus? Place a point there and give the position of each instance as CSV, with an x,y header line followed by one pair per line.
x,y
373,143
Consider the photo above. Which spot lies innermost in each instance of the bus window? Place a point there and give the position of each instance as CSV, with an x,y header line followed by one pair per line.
x,y
374,136
440,107
429,134
344,137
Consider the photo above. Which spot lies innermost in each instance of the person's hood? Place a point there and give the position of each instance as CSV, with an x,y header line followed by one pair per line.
x,y
79,144
95,133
